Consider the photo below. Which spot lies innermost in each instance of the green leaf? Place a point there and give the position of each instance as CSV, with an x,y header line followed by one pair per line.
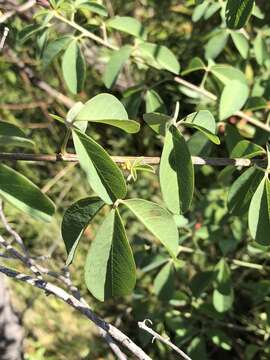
x,y
110,269
75,220
176,173
54,48
199,11
29,31
203,121
102,173
153,102
128,25
159,56
216,44
220,339
226,73
115,65
11,135
238,13
157,122
107,109
223,295
24,195
194,65
164,283
233,98
157,220
73,67
242,190
246,149
256,103
259,213
92,6
260,49
241,43
200,282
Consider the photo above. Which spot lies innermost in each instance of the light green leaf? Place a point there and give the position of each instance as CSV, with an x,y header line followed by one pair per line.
x,y
110,269
233,98
222,303
176,173
75,220
246,149
157,220
107,109
199,11
223,295
11,135
128,25
241,43
226,73
153,102
203,121
160,56
259,213
194,65
211,10
54,48
260,49
238,13
102,173
242,190
24,195
115,65
157,122
73,67
216,44
164,283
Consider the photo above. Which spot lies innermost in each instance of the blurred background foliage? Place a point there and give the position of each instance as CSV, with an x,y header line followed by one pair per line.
x,y
217,251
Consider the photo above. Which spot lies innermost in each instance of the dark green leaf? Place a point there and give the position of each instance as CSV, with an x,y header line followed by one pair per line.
x,y
164,282
238,13
153,102
76,218
102,173
157,122
24,195
110,268
176,173
242,190
54,48
194,65
246,149
11,135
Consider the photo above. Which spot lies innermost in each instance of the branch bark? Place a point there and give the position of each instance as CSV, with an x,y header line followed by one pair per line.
x,y
151,160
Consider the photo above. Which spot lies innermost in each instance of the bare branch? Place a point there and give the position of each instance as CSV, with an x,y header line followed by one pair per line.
x,y
142,325
151,160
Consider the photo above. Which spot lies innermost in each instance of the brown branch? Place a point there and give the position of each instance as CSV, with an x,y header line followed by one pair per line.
x,y
78,305
151,160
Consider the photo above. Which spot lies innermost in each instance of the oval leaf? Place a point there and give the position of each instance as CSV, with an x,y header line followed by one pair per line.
x,y
54,48
242,190
128,25
203,121
115,65
102,173
157,122
157,220
226,73
73,66
11,135
107,109
160,55
110,269
233,98
24,195
176,173
259,213
238,13
246,149
76,218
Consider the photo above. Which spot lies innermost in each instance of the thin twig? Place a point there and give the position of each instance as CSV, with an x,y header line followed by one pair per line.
x,y
142,325
151,160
